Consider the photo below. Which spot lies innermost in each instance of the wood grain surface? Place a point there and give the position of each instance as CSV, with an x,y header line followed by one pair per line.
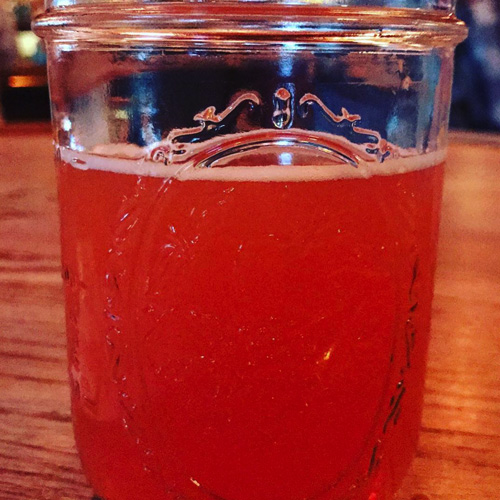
x,y
459,452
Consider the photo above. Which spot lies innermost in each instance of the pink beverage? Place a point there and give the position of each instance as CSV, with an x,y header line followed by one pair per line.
x,y
247,333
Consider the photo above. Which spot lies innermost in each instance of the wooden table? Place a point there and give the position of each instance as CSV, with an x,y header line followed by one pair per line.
x,y
459,453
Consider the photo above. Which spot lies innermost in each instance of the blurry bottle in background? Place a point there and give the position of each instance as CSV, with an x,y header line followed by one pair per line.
x,y
23,87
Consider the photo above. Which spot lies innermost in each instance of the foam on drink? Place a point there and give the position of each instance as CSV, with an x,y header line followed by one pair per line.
x,y
132,159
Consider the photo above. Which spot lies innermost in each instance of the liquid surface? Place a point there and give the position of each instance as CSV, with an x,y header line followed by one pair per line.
x,y
132,159
237,338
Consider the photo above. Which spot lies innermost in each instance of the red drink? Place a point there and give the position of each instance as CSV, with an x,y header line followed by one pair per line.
x,y
244,339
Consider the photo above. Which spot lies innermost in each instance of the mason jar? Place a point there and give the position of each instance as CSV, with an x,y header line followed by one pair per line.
x,y
249,201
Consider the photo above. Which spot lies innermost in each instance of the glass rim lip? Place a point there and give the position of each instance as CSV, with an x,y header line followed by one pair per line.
x,y
446,6
251,20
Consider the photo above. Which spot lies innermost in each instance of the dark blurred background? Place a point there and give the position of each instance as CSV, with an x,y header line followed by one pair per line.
x,y
23,78
476,91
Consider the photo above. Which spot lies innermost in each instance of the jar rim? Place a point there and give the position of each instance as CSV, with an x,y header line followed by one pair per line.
x,y
428,5
178,23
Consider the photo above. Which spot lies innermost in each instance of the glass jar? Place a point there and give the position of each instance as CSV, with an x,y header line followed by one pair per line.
x,y
249,197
